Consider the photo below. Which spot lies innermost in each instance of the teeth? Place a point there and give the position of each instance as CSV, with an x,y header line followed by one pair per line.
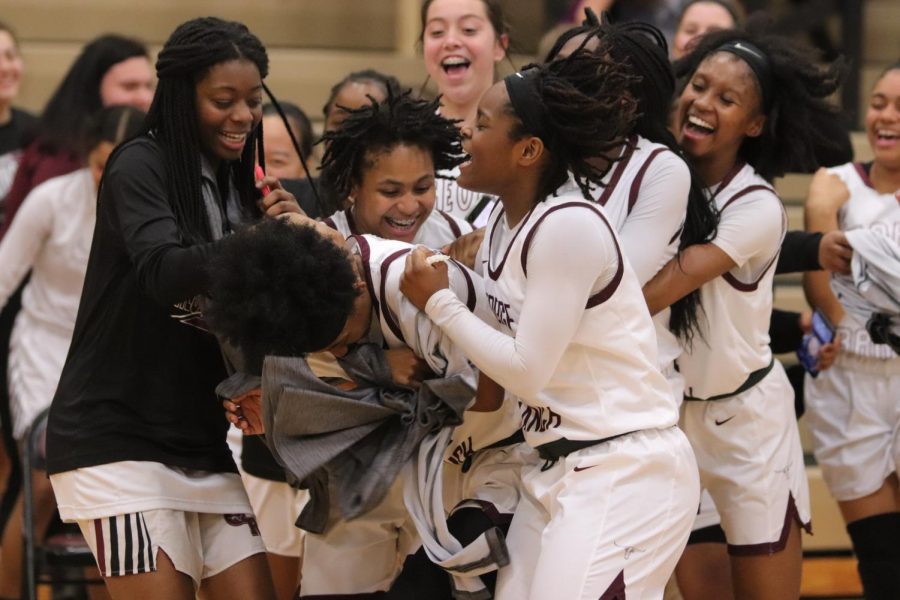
x,y
883,133
700,122
454,61
237,137
399,223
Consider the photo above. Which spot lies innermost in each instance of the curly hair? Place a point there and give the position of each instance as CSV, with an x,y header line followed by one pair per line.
x,y
278,288
187,56
802,125
587,114
380,127
642,48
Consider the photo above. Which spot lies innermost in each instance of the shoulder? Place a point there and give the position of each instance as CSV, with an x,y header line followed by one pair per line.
x,y
57,188
571,221
136,156
457,226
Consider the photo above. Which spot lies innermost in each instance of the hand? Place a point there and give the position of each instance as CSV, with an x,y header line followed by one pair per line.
x,y
828,352
278,201
465,248
805,321
835,252
406,368
420,280
245,412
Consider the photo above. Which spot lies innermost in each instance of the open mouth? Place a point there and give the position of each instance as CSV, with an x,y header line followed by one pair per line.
x,y
698,126
233,140
455,65
887,136
465,163
406,224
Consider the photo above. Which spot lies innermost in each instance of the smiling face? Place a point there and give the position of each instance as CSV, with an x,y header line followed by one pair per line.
x,y
11,68
461,49
395,194
229,106
883,120
129,82
719,107
699,19
282,160
493,154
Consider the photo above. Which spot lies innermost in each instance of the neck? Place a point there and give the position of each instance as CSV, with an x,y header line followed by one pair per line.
x,y
463,112
886,179
713,169
519,197
5,113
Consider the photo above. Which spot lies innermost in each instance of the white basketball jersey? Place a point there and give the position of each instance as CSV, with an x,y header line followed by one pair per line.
x,y
607,382
620,196
738,304
438,230
866,208
402,325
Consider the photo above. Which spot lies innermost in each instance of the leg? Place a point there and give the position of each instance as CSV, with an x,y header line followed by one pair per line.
x,y
773,576
248,579
165,583
12,557
704,571
873,523
285,571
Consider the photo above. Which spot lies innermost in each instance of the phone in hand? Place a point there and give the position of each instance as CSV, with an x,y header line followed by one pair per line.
x,y
260,174
822,333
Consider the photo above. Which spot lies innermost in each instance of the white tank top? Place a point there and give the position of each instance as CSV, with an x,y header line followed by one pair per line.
x,y
865,208
607,382
738,304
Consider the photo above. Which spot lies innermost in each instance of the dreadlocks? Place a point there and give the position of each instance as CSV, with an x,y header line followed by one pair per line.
x,y
388,84
801,126
193,48
643,49
380,127
586,113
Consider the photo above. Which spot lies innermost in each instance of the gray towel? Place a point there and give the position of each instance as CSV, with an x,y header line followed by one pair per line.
x,y
354,442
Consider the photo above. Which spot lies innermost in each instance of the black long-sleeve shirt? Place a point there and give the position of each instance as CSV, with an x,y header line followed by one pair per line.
x,y
138,384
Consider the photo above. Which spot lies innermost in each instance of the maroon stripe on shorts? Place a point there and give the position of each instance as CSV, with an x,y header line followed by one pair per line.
x,y
616,590
791,514
101,550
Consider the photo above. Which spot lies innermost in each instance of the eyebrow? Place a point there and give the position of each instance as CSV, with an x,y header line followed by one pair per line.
x,y
444,20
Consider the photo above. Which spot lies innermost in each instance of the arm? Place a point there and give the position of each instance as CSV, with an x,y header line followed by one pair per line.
x,y
489,396
134,190
827,193
749,233
657,216
685,273
23,241
556,292
799,252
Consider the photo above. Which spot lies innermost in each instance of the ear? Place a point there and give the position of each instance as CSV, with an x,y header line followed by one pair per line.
x,y
756,125
500,47
531,152
351,198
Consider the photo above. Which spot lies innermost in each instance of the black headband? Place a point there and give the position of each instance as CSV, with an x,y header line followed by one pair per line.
x,y
758,63
526,101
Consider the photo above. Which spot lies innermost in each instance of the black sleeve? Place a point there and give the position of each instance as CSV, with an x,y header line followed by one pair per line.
x,y
799,252
784,331
167,270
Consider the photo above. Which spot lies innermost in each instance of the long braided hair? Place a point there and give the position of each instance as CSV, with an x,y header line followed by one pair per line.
x,y
187,56
586,114
381,126
643,48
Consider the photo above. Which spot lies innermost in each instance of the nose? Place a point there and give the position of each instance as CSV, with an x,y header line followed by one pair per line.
x,y
407,204
451,39
242,113
465,132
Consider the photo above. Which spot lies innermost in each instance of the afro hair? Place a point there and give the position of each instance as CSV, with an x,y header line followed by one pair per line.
x,y
279,288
